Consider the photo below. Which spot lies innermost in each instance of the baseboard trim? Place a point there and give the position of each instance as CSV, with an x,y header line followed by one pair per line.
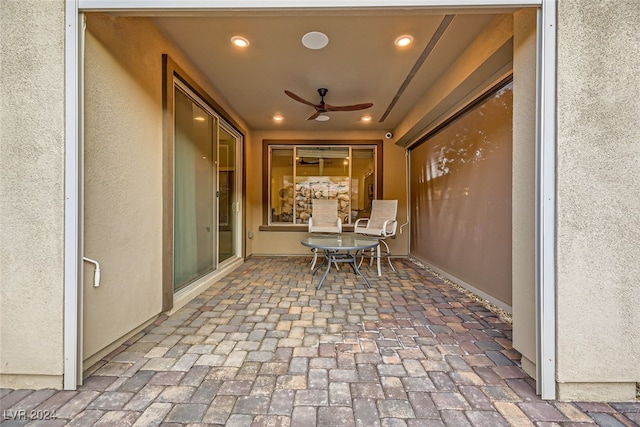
x,y
597,392
30,381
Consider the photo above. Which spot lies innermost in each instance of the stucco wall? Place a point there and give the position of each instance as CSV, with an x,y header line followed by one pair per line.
x,y
123,179
123,174
598,196
523,202
31,193
275,242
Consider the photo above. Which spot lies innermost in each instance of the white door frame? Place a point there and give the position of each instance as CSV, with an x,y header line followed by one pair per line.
x,y
545,170
546,202
72,311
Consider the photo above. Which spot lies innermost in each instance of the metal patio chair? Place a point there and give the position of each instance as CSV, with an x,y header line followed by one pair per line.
x,y
324,220
381,224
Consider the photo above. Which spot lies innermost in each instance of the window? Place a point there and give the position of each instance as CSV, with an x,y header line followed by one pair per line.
x,y
299,172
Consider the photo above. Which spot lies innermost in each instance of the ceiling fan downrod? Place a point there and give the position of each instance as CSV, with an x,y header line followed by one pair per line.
x,y
322,91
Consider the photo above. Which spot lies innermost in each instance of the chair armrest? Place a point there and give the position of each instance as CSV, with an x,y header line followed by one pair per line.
x,y
393,224
339,224
310,223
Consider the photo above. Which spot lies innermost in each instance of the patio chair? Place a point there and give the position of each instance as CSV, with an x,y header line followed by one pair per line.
x,y
381,224
324,219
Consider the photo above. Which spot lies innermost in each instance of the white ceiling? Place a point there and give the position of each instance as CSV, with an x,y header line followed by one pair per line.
x,y
359,65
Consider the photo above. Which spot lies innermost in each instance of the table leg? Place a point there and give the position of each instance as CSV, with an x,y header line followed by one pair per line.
x,y
328,257
355,268
324,259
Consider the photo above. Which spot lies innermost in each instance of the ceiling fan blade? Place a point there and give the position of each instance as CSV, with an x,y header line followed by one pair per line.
x,y
348,107
297,98
314,115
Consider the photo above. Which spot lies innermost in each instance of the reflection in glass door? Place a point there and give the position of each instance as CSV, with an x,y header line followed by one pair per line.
x,y
227,206
194,184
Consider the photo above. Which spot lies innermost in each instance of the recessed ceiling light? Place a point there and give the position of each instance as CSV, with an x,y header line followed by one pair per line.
x,y
278,118
315,40
199,119
322,118
404,40
239,41
366,118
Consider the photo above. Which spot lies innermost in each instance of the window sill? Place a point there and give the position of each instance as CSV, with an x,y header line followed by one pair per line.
x,y
298,228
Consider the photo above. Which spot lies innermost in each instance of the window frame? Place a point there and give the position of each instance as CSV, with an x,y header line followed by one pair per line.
x,y
266,172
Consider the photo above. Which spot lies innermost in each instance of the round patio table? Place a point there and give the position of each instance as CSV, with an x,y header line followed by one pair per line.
x,y
340,248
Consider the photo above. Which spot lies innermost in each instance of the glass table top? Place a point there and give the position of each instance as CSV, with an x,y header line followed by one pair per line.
x,y
339,242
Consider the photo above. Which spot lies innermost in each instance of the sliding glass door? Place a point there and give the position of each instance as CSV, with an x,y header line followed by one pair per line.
x,y
205,200
194,183
227,203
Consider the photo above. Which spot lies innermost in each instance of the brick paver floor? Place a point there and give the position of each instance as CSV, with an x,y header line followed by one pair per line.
x,y
263,347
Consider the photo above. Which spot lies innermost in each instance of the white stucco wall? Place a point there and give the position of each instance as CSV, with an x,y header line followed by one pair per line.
x,y
31,193
598,199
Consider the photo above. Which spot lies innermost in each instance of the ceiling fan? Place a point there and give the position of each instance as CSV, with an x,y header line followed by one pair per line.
x,y
324,108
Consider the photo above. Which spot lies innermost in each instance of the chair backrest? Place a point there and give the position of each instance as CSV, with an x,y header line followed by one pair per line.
x,y
325,213
381,211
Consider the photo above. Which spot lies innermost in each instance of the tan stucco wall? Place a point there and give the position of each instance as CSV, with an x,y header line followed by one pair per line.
x,y
598,199
523,187
123,174
31,193
275,242
485,61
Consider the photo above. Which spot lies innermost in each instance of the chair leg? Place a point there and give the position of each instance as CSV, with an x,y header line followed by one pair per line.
x,y
388,254
315,257
336,265
378,256
369,253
